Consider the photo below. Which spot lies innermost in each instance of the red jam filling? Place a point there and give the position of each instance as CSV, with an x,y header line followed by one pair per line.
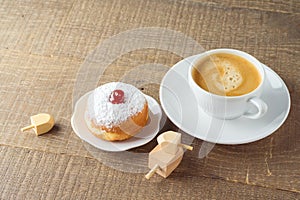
x,y
116,97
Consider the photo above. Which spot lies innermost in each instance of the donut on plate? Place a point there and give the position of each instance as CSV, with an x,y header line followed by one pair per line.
x,y
116,111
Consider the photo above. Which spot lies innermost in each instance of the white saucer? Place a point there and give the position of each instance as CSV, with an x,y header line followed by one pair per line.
x,y
179,104
146,135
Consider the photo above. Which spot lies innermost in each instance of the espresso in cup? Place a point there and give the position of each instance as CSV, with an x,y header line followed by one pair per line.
x,y
227,83
226,74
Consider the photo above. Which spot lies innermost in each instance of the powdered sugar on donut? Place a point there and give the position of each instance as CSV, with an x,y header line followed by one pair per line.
x,y
105,113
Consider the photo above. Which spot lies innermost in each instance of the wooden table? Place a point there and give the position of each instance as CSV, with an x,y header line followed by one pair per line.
x,y
43,45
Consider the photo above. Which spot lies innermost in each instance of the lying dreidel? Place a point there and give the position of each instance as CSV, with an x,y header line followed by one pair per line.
x,y
162,162
167,155
40,123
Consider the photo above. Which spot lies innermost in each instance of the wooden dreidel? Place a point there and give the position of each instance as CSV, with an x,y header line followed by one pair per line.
x,y
175,139
162,162
40,123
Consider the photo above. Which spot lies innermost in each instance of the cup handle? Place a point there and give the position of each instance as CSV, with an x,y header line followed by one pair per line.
x,y
261,108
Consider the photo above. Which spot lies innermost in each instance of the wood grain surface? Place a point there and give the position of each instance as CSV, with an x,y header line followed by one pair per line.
x,y
43,45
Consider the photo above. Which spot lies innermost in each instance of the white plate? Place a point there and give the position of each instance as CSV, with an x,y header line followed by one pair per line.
x,y
146,135
179,104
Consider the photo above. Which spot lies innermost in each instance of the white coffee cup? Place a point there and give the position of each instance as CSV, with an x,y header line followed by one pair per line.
x,y
230,107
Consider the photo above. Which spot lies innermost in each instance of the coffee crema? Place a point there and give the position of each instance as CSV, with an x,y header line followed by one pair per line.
x,y
226,74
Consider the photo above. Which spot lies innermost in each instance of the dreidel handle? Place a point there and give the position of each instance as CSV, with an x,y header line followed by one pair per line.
x,y
186,146
27,128
152,171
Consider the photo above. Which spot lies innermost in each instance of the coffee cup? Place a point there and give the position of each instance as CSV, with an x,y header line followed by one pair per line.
x,y
228,84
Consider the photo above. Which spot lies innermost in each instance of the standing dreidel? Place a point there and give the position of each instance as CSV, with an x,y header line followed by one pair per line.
x,y
167,155
175,139
40,123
